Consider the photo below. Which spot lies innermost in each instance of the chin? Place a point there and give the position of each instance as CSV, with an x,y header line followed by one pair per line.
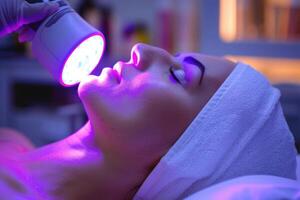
x,y
95,94
88,86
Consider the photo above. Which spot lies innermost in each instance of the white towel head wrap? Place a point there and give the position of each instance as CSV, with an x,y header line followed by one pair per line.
x,y
240,131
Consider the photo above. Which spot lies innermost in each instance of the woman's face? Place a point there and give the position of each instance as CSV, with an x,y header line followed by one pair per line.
x,y
141,107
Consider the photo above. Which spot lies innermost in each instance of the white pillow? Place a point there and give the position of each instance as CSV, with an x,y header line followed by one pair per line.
x,y
251,187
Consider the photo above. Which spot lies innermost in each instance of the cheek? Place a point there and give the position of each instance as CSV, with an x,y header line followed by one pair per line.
x,y
167,107
172,114
164,116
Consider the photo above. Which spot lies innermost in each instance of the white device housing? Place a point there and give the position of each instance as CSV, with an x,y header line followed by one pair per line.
x,y
58,36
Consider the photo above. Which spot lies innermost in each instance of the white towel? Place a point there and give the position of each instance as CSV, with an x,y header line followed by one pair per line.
x,y
251,187
240,131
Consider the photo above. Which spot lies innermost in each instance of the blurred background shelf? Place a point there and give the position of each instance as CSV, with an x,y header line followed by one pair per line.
x,y
221,35
259,48
32,102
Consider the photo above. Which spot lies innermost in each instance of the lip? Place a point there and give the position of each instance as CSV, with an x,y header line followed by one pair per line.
x,y
125,70
116,75
109,73
119,68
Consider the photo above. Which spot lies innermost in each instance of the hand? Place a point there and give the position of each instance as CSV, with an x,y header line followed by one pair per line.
x,y
15,14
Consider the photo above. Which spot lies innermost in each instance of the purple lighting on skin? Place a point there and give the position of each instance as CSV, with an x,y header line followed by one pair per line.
x,y
135,57
83,60
252,191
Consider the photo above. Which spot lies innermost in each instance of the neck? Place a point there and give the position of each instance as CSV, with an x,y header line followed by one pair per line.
x,y
75,168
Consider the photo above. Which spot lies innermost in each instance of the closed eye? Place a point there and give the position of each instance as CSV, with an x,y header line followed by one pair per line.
x,y
178,75
171,69
191,60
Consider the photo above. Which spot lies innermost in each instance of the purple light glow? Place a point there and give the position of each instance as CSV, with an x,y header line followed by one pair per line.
x,y
135,57
252,191
83,60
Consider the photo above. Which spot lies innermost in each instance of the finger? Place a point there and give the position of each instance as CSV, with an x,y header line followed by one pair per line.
x,y
26,34
37,11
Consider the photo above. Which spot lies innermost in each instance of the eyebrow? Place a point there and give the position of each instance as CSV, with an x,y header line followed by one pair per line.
x,y
191,60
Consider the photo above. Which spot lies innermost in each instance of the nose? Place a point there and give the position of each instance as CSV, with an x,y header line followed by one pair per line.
x,y
143,55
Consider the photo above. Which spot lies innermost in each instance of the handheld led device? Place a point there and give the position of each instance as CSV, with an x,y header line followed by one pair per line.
x,y
67,45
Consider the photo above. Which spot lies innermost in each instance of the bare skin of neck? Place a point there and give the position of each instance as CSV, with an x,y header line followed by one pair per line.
x,y
76,169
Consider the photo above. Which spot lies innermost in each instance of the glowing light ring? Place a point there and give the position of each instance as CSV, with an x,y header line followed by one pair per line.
x,y
83,60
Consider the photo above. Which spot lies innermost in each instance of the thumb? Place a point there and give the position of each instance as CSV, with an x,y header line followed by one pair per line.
x,y
37,11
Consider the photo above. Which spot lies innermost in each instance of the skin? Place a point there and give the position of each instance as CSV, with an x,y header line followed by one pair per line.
x,y
136,112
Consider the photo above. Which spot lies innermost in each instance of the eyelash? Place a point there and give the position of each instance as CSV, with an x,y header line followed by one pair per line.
x,y
171,69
